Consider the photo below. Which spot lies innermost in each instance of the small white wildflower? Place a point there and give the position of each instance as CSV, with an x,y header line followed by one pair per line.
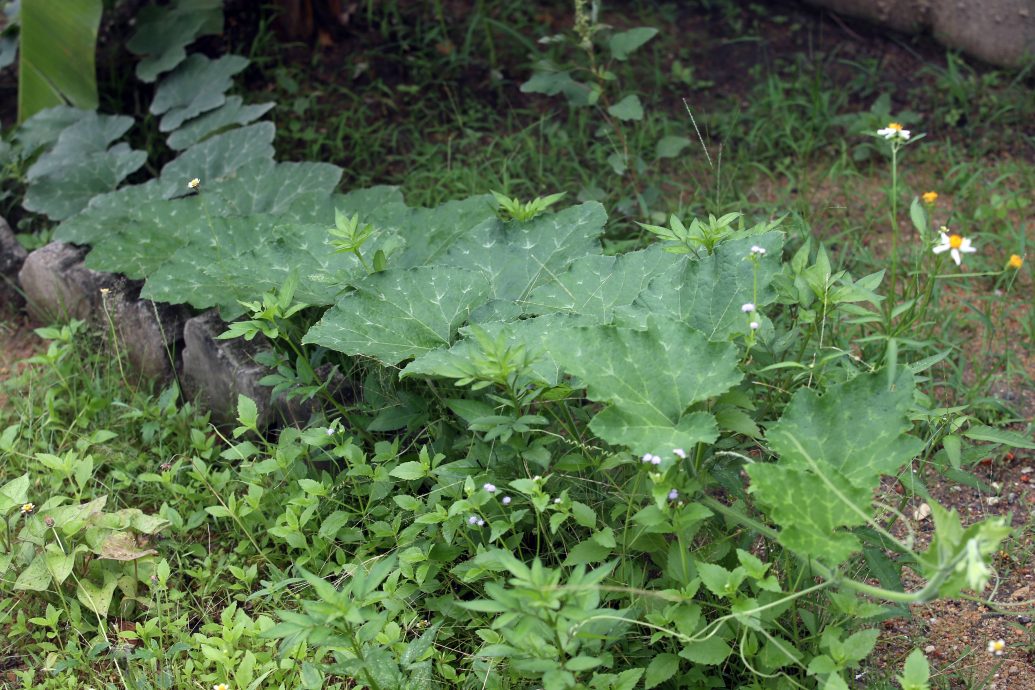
x,y
330,431
996,647
894,131
754,325
747,308
194,184
505,500
757,251
556,501
679,453
954,244
481,523
473,520
651,459
220,686
491,488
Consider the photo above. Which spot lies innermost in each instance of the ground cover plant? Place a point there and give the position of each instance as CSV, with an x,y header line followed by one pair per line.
x,y
604,434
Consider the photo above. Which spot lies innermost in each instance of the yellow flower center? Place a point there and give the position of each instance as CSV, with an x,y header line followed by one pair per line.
x,y
895,126
955,241
1015,261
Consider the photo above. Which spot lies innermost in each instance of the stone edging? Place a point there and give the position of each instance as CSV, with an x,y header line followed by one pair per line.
x,y
160,341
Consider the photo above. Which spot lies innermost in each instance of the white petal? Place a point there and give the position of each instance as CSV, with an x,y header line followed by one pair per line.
x,y
903,134
965,246
941,248
944,238
955,253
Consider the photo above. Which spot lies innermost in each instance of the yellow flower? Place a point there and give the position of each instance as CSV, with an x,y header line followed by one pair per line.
x,y
1015,262
28,508
930,197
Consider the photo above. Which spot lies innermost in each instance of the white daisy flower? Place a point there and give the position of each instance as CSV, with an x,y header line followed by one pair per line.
x,y
996,647
894,131
954,244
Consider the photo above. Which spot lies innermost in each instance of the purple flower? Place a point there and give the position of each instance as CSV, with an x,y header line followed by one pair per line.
x,y
473,520
505,500
679,453
673,495
491,488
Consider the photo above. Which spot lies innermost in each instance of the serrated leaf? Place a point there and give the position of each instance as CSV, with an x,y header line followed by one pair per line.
x,y
195,87
163,33
81,165
708,293
455,362
231,113
44,128
398,314
624,43
629,108
650,378
519,257
833,450
710,651
594,286
916,672
217,158
661,668
430,232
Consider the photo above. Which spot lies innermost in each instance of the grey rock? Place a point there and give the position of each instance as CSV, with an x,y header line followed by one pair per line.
x,y
150,333
1001,32
12,256
217,371
58,286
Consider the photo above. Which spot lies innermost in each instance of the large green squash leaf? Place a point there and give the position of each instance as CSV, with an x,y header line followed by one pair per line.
x,y
401,313
163,33
833,450
198,85
217,158
231,113
56,65
81,165
430,232
210,271
519,257
593,286
708,293
650,378
44,128
531,334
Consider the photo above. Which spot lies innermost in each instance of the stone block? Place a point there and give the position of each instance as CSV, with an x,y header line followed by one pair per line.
x,y
217,371
58,286
150,333
1001,32
12,256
